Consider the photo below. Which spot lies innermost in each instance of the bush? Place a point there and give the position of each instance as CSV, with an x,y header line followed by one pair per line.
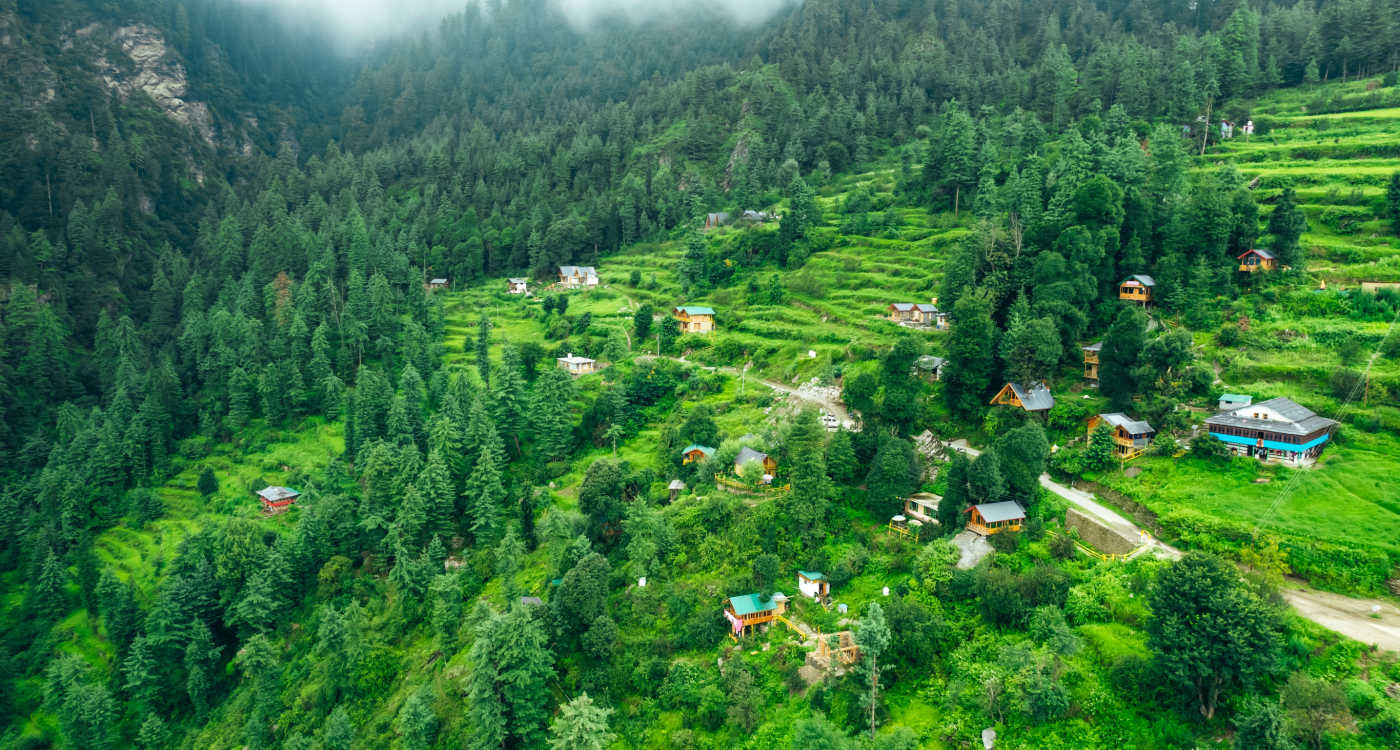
x,y
1228,335
1061,547
1006,542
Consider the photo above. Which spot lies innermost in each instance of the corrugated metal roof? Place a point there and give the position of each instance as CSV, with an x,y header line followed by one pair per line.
x,y
1094,347
750,604
274,494
748,455
1296,418
707,450
1133,426
696,310
1004,511
811,575
1265,254
1140,278
1037,398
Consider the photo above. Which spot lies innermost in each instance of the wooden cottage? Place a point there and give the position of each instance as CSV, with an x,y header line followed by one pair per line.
x,y
747,611
1130,436
695,318
574,277
518,286
914,313
577,365
675,488
748,455
812,584
437,284
1232,401
922,506
994,518
1137,288
1036,398
1257,260
696,453
277,499
1091,361
1279,429
716,219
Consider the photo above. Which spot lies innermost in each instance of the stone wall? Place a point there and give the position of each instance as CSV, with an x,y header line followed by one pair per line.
x,y
1097,535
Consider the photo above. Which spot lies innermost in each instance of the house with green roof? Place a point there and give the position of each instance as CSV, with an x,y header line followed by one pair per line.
x,y
695,453
745,612
813,584
695,318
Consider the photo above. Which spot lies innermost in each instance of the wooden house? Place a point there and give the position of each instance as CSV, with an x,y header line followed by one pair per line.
x,y
695,318
747,611
519,286
437,284
696,453
1257,260
756,217
914,313
277,499
1091,361
748,455
1232,401
675,488
577,365
994,518
812,584
1130,436
1137,288
716,219
1278,429
922,506
574,277
1036,398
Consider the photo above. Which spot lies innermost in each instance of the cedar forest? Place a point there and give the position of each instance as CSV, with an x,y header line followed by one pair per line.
x,y
217,229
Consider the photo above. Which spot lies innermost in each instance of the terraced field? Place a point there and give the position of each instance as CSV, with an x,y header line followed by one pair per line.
x,y
1339,161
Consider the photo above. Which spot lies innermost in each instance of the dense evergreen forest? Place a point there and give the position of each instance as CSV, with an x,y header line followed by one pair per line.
x,y
215,233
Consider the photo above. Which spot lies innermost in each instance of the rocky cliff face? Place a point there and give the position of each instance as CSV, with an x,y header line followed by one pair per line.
x,y
154,70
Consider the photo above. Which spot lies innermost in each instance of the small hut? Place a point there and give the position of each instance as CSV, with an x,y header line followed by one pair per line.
x,y
1137,288
518,286
994,518
437,284
676,487
813,584
1257,260
1034,398
577,365
696,453
1091,361
277,499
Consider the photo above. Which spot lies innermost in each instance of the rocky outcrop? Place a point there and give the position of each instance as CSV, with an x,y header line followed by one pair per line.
x,y
156,72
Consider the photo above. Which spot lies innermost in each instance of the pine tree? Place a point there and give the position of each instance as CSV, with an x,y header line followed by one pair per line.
x,y
439,496
208,483
201,659
417,723
1287,224
507,688
550,414
970,354
483,348
509,401
140,675
806,503
339,733
955,497
49,597
581,725
1118,360
984,480
670,331
154,734
1099,454
691,269
841,464
484,492
873,637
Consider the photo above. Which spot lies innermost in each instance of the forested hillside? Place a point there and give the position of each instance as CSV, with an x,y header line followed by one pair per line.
x,y
215,237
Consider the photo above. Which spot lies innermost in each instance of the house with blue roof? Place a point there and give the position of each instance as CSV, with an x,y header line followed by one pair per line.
x,y
695,453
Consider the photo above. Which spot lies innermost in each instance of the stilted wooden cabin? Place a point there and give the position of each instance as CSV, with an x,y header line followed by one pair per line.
x,y
1137,288
277,499
994,518
696,453
695,318
1035,398
750,610
1130,436
1257,260
1091,361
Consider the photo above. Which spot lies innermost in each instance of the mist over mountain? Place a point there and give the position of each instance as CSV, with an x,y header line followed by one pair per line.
x,y
357,22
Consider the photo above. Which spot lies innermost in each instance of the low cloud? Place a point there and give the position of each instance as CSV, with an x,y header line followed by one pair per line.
x,y
358,21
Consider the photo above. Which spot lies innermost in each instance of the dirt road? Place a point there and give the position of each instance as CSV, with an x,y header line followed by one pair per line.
x,y
829,404
1351,617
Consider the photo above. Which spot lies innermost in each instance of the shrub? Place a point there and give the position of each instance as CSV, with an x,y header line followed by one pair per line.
x,y
1061,547
1006,542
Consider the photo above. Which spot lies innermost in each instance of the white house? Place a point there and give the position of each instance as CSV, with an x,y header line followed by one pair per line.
x,y
812,584
519,286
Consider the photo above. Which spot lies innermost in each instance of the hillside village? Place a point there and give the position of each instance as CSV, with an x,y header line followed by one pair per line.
x,y
862,377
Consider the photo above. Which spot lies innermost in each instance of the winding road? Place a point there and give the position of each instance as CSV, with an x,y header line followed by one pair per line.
x,y
1375,622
